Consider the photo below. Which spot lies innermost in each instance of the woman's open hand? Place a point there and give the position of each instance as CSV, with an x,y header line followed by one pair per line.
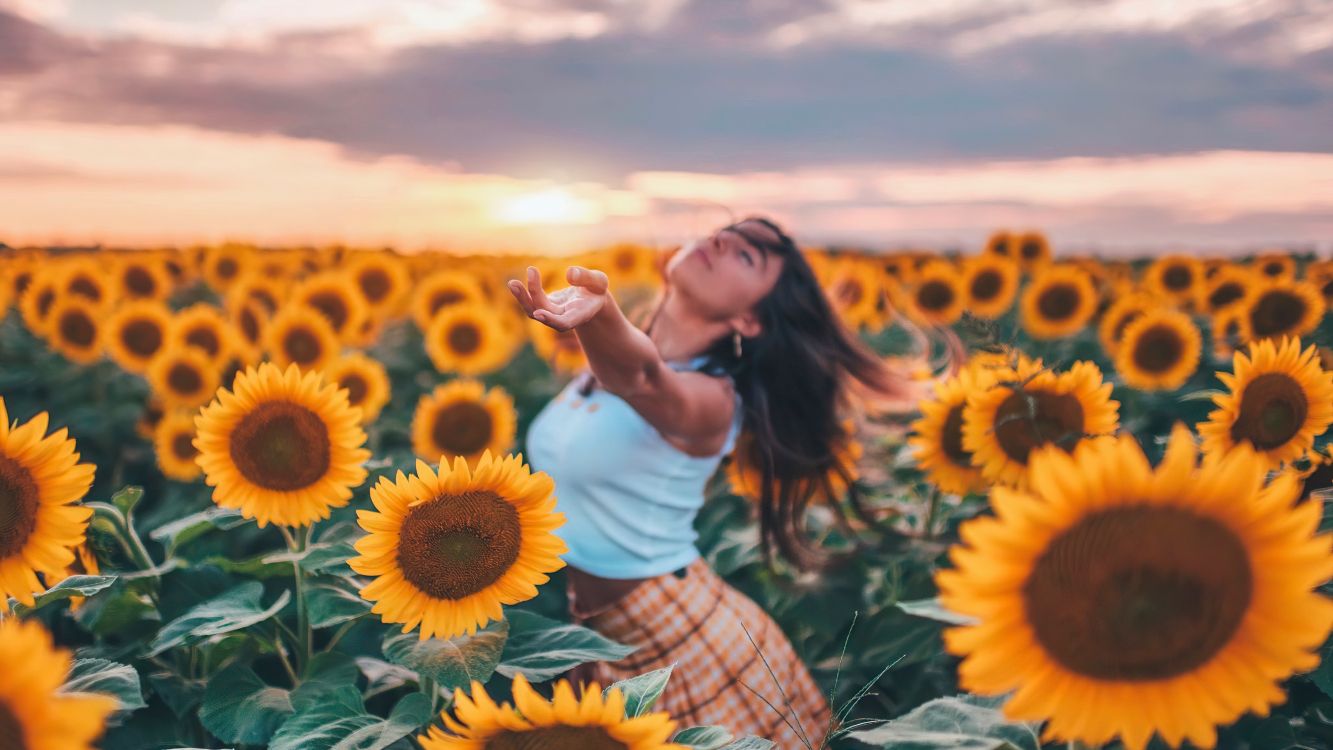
x,y
563,309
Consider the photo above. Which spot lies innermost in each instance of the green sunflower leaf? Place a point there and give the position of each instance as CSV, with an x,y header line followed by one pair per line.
x,y
703,737
72,586
642,691
120,681
234,609
965,722
239,707
540,648
333,603
453,662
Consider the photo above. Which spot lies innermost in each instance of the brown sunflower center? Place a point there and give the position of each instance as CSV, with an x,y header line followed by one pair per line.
x,y
281,446
263,297
375,284
142,337
935,295
1158,349
86,287
19,502
1030,250
625,260
444,298
1000,246
1027,419
1276,311
78,328
456,545
1058,301
331,305
183,446
1272,411
302,346
183,378
1274,268
986,285
1138,593
227,268
45,299
356,387
249,324
11,729
464,338
462,428
1225,293
951,438
204,338
850,292
140,282
1177,278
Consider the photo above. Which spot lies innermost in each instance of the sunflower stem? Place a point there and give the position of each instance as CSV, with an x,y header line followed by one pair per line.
x,y
303,653
931,510
429,689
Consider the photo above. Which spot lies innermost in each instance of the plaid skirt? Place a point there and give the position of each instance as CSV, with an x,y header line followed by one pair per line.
x,y
698,623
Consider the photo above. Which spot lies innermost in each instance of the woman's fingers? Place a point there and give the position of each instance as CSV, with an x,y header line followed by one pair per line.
x,y
558,321
520,293
591,279
535,288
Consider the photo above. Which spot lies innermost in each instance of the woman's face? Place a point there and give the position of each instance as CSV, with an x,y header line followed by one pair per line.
x,y
723,273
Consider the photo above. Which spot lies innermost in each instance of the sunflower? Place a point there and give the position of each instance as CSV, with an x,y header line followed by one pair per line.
x,y
1028,406
182,377
40,480
298,335
463,418
1321,276
469,340
224,265
1279,401
338,299
448,549
136,332
203,327
382,279
142,277
595,722
1032,249
34,713
1280,308
1227,286
1125,310
1059,301
75,329
153,412
746,477
366,383
938,298
630,265
1276,265
1002,244
560,349
281,446
442,289
938,435
1316,475
1175,277
173,439
84,279
268,290
854,289
249,323
37,300
1160,351
1118,599
989,285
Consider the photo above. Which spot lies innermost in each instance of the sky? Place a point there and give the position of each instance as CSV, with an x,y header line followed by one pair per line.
x,y
1115,126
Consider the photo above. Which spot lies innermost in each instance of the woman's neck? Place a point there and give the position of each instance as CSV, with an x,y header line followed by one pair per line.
x,y
681,335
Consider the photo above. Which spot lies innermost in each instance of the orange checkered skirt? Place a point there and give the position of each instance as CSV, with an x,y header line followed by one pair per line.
x,y
698,623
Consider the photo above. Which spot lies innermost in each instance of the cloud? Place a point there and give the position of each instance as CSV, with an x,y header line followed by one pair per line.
x,y
602,107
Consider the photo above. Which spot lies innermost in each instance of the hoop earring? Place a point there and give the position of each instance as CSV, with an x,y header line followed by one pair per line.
x,y
736,343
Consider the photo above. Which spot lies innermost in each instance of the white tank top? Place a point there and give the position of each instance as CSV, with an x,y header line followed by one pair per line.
x,y
629,496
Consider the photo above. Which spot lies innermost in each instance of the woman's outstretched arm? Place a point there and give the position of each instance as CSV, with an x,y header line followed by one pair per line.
x,y
694,407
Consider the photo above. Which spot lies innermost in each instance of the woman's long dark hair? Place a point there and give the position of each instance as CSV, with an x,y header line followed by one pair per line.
x,y
794,381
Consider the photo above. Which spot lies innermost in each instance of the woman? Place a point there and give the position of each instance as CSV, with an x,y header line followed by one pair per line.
x,y
743,339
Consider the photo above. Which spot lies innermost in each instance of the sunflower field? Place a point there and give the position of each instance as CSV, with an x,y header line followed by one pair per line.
x,y
277,498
